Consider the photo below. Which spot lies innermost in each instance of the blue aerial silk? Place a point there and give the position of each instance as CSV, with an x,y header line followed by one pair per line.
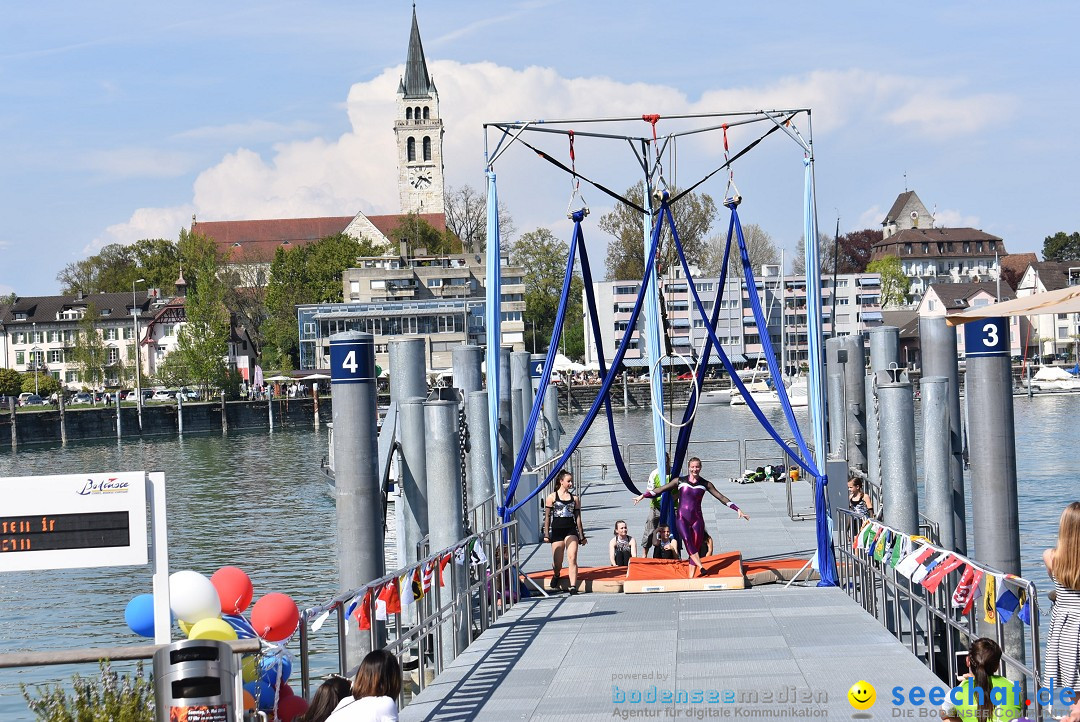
x,y
493,320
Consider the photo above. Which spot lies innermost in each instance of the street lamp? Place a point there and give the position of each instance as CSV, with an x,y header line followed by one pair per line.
x,y
138,359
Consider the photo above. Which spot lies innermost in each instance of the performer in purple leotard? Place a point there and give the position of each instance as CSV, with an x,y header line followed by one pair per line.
x,y
689,491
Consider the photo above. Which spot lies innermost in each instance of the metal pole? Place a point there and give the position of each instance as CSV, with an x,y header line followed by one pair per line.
x,y
835,362
224,415
873,433
444,494
467,362
937,343
897,418
408,369
855,395
116,399
625,393
180,414
551,420
358,496
270,405
506,427
991,437
414,476
138,355
63,417
884,348
481,484
14,426
937,482
521,378
528,516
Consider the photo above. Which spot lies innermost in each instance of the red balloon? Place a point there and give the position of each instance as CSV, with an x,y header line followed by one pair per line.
x,y
285,690
275,617
289,708
234,589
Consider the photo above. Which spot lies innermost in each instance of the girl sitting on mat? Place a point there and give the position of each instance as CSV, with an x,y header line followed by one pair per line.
x,y
623,547
562,528
689,491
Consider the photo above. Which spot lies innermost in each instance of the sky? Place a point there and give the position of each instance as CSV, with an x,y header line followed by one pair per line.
x,y
121,120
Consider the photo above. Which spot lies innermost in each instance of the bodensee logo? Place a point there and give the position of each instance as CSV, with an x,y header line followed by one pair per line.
x,y
103,486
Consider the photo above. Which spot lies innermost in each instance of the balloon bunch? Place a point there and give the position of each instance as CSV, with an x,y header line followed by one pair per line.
x,y
214,609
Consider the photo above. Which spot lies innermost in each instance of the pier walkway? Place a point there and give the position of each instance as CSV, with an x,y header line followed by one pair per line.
x,y
764,652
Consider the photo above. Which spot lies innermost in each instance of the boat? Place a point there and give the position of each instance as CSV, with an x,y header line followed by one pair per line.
x,y
716,396
765,395
1054,378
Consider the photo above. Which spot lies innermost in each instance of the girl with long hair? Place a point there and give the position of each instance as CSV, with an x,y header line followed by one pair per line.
x,y
1063,563
983,694
375,691
563,529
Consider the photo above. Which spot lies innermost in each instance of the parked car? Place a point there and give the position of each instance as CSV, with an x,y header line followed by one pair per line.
x,y
33,400
162,396
189,394
23,397
82,398
685,376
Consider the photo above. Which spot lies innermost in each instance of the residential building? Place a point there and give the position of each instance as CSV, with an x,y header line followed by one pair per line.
x,y
783,302
438,298
1050,333
945,299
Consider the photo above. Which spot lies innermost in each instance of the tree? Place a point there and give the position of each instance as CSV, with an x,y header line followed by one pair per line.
x,y
89,352
41,382
694,215
9,299
203,341
894,284
10,382
421,234
245,297
759,247
825,255
542,257
466,217
305,274
854,250
1062,247
117,266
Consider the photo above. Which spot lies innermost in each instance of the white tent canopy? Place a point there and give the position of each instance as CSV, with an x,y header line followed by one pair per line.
x,y
1063,300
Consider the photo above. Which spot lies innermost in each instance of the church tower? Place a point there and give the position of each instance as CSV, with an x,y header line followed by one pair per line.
x,y
419,131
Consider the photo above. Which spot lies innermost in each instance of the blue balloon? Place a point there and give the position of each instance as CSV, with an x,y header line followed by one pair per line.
x,y
270,667
263,694
139,615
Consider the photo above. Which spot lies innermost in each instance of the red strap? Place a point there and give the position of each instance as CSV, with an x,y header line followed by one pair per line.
x,y
652,119
725,137
571,134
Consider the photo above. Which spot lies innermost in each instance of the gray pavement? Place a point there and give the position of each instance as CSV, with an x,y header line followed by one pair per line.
x,y
765,652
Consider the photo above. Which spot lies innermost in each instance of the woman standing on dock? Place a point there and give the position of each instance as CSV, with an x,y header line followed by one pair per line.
x,y
689,491
562,528
1063,564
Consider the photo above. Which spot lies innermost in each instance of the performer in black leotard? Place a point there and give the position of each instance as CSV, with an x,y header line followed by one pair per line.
x,y
562,527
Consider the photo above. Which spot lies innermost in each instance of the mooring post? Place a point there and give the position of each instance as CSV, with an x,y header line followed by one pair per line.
x,y
898,484
116,400
835,361
180,414
506,422
467,362
521,378
408,369
991,438
270,405
14,426
528,516
224,415
551,421
358,496
937,451
884,354
937,342
444,493
854,400
63,417
625,393
413,478
481,484
315,403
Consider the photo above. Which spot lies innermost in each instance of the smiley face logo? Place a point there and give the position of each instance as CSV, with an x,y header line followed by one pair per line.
x,y
862,695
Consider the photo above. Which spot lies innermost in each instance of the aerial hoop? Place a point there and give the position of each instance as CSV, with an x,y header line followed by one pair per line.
x,y
697,391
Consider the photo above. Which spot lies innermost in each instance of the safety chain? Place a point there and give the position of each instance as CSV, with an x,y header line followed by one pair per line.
x,y
463,444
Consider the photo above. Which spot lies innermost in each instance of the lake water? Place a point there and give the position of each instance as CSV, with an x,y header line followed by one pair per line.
x,y
259,502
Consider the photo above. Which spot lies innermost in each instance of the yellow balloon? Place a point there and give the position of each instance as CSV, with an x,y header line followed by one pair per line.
x,y
249,667
212,628
184,626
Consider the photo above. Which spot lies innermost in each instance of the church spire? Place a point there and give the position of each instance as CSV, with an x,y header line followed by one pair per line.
x,y
416,83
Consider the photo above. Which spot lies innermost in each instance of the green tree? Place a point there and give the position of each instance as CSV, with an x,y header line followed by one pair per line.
x,y
109,697
8,299
421,234
894,284
203,341
542,257
694,215
306,274
10,382
760,247
245,297
41,382
117,266
89,352
1062,247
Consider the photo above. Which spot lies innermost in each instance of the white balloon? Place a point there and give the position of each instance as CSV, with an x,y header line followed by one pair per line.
x,y
192,597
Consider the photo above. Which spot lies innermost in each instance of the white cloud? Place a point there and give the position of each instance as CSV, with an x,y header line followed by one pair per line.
x,y
358,170
950,218
6,290
871,217
138,163
250,131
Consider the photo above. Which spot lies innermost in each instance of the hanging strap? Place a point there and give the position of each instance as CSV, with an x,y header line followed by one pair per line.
x,y
594,184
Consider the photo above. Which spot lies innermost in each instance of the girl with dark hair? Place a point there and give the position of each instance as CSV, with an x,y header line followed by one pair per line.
x,y
326,698
562,528
375,691
623,547
983,695
1063,564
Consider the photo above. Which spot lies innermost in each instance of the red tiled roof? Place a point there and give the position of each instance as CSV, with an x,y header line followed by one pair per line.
x,y
257,240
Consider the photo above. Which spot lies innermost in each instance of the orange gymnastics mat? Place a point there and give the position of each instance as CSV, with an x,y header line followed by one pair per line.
x,y
721,571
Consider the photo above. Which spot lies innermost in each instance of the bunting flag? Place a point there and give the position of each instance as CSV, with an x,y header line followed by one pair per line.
x,y
478,555
442,565
963,597
856,542
429,570
989,597
418,584
1006,604
940,570
879,547
974,590
459,556
878,532
897,550
407,598
363,613
316,625
911,563
924,570
1024,615
388,601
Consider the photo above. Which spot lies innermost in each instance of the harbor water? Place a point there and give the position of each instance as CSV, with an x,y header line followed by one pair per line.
x,y
259,502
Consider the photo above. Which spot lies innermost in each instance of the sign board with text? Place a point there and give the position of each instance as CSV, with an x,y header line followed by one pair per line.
x,y
73,520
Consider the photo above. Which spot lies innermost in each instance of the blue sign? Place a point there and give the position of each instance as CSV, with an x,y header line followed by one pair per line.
x,y
986,337
536,368
352,360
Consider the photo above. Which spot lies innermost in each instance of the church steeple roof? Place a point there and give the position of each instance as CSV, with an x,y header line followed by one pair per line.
x,y
417,82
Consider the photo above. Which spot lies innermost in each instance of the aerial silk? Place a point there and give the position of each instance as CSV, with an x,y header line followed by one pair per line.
x,y
493,320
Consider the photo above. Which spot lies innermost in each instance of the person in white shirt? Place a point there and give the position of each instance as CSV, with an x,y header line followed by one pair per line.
x,y
375,691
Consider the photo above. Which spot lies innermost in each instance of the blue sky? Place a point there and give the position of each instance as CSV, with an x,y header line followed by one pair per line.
x,y
120,120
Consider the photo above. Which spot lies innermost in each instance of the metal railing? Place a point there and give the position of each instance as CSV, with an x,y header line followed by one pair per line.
x,y
417,633
925,621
